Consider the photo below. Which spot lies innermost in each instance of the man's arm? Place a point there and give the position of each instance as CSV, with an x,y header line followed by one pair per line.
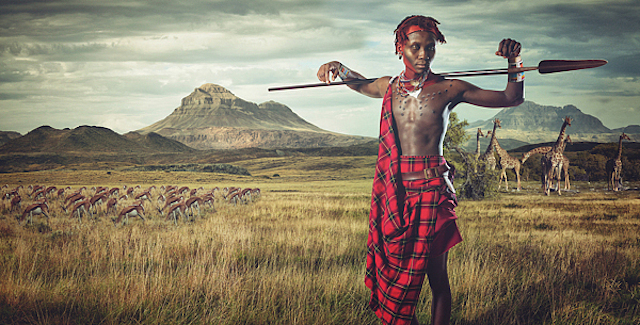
x,y
329,71
513,94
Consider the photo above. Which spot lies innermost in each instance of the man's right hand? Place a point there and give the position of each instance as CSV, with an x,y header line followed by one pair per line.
x,y
328,71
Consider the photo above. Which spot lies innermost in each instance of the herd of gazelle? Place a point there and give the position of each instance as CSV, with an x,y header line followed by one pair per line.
x,y
172,202
553,160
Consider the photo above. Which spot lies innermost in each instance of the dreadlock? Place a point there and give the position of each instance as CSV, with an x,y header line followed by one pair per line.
x,y
427,23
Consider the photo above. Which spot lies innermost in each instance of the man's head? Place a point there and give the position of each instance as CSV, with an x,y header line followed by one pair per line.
x,y
416,23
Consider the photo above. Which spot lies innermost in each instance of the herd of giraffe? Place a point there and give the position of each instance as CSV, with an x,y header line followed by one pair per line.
x,y
171,202
553,160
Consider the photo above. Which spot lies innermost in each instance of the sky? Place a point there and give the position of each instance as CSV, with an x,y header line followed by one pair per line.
x,y
127,64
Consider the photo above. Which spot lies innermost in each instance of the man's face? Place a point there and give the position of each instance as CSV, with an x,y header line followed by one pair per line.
x,y
418,51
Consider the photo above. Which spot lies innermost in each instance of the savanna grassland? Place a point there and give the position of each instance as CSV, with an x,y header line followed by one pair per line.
x,y
296,254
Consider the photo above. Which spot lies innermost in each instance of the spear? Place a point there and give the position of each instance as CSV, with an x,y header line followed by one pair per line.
x,y
545,66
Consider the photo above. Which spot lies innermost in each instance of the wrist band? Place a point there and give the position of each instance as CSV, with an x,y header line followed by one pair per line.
x,y
344,72
518,76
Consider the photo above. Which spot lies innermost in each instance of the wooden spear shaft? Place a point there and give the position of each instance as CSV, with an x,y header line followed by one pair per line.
x,y
546,66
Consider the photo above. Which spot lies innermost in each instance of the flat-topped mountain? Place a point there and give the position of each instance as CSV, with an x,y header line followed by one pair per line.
x,y
212,117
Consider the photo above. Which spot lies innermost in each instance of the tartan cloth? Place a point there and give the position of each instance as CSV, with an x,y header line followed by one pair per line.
x,y
402,226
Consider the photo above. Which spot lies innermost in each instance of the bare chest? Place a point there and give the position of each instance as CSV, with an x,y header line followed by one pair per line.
x,y
421,107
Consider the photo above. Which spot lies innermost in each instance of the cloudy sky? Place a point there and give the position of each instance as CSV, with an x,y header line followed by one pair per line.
x,y
127,64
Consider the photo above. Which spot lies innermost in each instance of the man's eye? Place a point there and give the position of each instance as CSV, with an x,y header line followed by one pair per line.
x,y
431,48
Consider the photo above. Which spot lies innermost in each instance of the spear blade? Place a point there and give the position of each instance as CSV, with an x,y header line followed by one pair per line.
x,y
550,66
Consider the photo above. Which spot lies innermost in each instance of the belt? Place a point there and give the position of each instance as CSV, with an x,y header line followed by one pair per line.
x,y
426,173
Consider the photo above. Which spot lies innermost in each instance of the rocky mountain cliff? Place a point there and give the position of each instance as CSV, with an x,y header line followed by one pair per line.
x,y
212,117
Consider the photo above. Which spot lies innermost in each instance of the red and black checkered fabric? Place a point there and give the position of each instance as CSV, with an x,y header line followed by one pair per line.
x,y
402,226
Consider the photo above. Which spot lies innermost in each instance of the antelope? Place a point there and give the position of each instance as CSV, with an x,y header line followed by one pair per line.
x,y
61,191
234,198
143,196
112,204
72,197
38,193
72,201
183,190
179,208
100,189
35,189
36,208
130,211
245,195
49,190
161,199
140,204
114,191
172,201
80,208
15,203
194,203
209,199
96,200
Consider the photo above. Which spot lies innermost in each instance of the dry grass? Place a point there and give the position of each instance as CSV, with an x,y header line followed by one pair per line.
x,y
296,256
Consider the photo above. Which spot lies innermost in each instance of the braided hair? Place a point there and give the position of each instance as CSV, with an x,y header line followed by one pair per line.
x,y
427,23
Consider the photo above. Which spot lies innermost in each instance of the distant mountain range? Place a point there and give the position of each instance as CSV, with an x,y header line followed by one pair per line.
x,y
530,123
212,117
90,139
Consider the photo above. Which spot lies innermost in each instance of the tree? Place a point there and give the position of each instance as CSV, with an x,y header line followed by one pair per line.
x,y
475,180
456,134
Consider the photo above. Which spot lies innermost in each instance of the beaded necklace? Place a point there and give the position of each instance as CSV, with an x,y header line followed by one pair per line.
x,y
407,86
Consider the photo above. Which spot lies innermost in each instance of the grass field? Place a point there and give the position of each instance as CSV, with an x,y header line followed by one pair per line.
x,y
296,255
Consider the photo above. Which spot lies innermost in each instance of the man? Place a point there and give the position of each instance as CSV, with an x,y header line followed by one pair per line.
x,y
412,220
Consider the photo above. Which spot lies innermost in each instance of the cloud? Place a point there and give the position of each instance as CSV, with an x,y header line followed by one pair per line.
x,y
101,62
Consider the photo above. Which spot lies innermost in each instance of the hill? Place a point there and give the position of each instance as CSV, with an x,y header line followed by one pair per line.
x,y
6,136
212,117
89,139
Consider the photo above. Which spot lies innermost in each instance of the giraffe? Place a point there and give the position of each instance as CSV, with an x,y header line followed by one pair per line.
x,y
553,158
478,136
488,156
614,167
565,161
506,162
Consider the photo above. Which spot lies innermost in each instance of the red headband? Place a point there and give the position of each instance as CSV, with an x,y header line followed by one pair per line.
x,y
415,28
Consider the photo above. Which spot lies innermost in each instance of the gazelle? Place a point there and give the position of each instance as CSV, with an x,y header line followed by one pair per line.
x,y
210,200
114,192
80,208
15,203
171,201
180,209
143,196
36,208
112,205
194,203
130,211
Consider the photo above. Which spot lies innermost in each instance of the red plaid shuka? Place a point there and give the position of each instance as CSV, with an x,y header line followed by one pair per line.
x,y
409,221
